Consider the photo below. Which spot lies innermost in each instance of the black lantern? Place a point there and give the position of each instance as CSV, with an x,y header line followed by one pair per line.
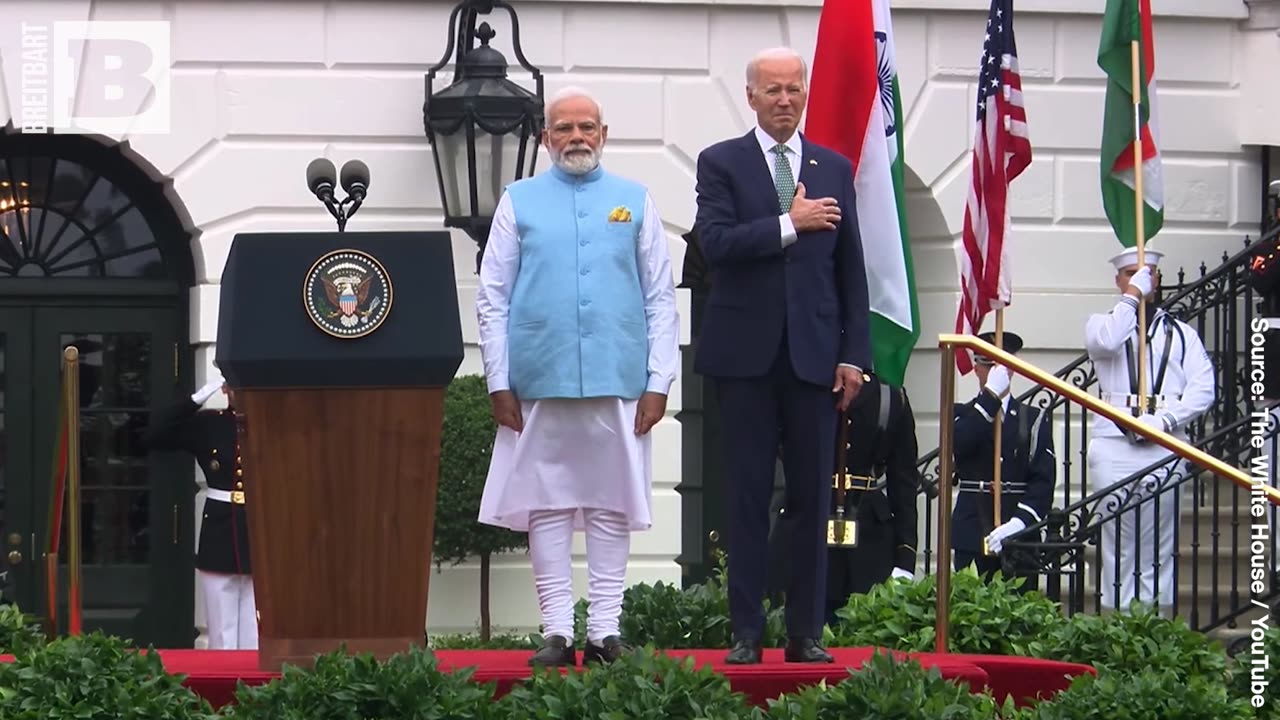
x,y
483,128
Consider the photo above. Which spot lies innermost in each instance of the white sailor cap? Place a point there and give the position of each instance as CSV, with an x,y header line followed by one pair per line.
x,y
1129,258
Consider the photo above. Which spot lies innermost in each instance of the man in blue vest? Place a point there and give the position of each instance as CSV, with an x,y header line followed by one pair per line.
x,y
579,333
786,338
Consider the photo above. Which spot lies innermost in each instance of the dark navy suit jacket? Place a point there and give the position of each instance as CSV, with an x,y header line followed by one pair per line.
x,y
815,290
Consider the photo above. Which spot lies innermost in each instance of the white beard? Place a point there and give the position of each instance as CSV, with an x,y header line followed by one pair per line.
x,y
579,163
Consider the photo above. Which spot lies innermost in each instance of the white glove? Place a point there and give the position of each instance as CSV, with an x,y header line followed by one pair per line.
x,y
1153,422
996,539
203,394
1141,280
998,381
900,574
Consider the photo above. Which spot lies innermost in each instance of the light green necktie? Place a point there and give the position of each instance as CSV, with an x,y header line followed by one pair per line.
x,y
783,179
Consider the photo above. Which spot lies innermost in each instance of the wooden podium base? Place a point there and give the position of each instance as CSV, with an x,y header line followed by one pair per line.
x,y
341,495
275,653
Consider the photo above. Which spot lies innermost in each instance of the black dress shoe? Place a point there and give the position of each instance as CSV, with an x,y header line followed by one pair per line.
x,y
609,649
744,652
806,650
555,651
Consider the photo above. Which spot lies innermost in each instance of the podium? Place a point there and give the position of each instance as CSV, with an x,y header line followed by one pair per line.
x,y
338,348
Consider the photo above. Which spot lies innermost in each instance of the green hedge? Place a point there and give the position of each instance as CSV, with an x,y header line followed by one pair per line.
x,y
92,678
1149,667
1139,649
18,630
1267,667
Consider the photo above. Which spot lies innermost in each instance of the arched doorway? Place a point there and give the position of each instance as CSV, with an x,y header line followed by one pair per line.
x,y
92,253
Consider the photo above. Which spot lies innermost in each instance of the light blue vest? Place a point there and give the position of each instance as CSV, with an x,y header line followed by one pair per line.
x,y
577,325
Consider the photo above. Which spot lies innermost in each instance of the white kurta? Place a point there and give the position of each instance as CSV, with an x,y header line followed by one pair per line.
x,y
572,454
1147,526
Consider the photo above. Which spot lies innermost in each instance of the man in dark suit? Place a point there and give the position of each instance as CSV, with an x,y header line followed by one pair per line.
x,y
1027,471
785,339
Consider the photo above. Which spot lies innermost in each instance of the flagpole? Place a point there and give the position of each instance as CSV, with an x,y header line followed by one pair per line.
x,y
999,435
1136,63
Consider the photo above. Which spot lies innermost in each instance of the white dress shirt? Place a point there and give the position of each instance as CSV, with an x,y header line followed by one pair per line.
x,y
794,153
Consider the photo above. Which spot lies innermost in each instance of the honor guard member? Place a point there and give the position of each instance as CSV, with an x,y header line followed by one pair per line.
x,y
880,494
1027,470
1180,380
222,560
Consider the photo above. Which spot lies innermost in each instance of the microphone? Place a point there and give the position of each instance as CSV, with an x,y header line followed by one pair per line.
x,y
320,174
355,180
1274,189
320,179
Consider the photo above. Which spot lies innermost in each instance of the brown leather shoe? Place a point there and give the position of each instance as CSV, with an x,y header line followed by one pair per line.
x,y
555,651
609,649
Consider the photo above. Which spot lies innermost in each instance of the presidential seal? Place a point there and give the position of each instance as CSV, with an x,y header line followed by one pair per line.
x,y
347,294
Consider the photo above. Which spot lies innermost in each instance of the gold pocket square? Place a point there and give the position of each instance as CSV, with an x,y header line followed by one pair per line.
x,y
620,214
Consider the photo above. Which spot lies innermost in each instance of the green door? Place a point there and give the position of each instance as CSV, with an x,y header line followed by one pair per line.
x,y
17,538
135,509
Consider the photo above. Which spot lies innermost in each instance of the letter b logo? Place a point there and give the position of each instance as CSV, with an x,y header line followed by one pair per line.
x,y
111,77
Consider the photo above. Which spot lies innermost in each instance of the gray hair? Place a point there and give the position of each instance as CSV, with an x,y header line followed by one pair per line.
x,y
569,93
776,53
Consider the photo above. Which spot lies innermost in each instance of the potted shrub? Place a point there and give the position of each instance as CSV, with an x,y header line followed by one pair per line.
x,y
986,617
1120,643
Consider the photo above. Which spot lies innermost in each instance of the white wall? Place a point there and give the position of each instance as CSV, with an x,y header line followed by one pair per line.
x,y
260,89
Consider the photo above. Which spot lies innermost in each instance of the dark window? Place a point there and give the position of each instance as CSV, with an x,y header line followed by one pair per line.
x,y
59,218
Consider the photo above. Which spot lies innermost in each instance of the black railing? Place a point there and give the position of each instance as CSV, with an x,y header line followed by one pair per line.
x,y
1220,306
1214,554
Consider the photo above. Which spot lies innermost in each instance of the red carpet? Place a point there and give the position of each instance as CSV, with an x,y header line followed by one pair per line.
x,y
214,673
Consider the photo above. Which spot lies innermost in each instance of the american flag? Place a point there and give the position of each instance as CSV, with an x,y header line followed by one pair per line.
x,y
1001,151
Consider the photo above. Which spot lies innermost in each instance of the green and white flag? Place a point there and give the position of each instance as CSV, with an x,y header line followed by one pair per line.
x,y
1124,22
855,107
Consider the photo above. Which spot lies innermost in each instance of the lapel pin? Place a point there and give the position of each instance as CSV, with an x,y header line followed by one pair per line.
x,y
813,162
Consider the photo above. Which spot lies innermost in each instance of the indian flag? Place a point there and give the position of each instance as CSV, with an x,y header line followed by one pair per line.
x,y
855,108
1126,21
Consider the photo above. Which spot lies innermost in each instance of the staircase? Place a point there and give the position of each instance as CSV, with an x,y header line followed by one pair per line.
x,y
1213,547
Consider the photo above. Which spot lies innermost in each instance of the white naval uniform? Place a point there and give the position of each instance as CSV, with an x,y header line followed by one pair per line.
x,y
1186,391
578,464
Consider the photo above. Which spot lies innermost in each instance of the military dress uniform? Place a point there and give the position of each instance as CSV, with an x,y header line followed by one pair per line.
x,y
222,559
1027,474
1137,547
880,494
